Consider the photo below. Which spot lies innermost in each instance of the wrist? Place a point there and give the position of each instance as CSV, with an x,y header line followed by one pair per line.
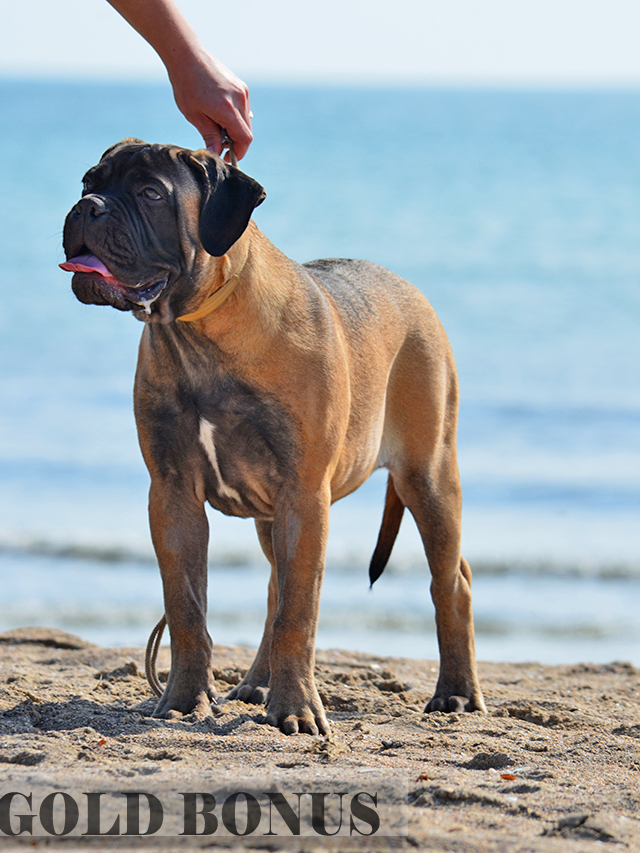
x,y
179,52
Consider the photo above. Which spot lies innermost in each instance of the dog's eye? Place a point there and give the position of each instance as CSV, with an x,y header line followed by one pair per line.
x,y
86,185
150,193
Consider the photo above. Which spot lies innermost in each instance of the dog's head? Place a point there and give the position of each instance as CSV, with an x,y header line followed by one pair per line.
x,y
149,218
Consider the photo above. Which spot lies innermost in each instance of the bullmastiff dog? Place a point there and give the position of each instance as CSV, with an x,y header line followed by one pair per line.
x,y
270,389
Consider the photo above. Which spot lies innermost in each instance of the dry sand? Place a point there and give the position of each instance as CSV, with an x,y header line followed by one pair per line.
x,y
555,766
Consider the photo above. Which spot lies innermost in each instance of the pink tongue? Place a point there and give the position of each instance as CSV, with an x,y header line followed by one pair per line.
x,y
86,263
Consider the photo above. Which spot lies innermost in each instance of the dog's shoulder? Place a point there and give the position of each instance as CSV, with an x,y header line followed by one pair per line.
x,y
353,279
363,290
347,271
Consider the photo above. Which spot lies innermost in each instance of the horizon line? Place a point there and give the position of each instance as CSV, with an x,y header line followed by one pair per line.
x,y
334,81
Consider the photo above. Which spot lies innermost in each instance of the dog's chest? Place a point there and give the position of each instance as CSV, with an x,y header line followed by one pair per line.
x,y
244,460
234,442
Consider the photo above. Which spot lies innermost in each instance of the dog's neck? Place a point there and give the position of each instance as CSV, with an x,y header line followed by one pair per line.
x,y
264,290
212,302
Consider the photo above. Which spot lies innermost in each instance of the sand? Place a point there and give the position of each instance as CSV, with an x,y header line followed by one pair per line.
x,y
554,766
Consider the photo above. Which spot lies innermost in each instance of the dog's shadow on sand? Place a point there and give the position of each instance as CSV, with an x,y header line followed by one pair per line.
x,y
111,720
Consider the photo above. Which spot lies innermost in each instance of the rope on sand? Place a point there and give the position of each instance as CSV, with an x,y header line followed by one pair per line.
x,y
151,656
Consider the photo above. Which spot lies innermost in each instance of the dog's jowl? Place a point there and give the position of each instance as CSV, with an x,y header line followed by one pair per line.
x,y
270,389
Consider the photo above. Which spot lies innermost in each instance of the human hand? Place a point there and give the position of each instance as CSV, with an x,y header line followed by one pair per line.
x,y
214,100
210,96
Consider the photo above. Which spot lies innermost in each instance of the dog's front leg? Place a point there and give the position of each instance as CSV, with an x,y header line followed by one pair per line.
x,y
299,543
180,534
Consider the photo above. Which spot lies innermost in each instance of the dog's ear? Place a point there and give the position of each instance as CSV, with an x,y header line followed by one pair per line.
x,y
228,200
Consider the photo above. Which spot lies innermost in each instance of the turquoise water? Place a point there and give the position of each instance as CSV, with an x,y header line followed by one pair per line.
x,y
517,213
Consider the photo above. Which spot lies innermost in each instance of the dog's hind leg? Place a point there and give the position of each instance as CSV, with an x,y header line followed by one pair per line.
x,y
421,441
433,500
254,687
432,494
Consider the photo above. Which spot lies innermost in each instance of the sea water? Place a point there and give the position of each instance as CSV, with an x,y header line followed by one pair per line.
x,y
516,212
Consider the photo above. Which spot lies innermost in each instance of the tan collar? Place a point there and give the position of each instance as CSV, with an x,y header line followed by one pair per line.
x,y
212,302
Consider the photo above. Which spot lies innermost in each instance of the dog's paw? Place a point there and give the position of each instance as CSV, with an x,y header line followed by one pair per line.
x,y
455,704
173,704
254,694
294,715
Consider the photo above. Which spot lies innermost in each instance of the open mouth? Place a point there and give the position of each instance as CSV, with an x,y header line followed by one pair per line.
x,y
143,294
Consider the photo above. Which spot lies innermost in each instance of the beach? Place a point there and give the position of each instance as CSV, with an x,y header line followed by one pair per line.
x,y
554,765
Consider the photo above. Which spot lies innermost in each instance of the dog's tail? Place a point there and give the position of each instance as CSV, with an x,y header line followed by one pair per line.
x,y
391,518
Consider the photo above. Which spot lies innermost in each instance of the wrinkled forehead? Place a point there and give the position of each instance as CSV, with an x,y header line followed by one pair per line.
x,y
134,163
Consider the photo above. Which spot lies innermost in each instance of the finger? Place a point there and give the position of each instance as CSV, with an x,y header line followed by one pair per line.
x,y
241,136
212,134
237,124
241,145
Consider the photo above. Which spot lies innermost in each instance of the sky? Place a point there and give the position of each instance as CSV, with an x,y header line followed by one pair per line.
x,y
460,42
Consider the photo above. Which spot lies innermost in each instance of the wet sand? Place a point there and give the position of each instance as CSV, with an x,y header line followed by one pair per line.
x,y
554,766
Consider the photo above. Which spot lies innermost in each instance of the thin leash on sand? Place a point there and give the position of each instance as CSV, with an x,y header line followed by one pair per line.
x,y
151,657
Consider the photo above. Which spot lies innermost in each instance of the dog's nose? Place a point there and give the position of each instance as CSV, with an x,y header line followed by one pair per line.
x,y
91,205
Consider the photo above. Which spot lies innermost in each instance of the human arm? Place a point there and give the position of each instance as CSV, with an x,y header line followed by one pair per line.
x,y
207,93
